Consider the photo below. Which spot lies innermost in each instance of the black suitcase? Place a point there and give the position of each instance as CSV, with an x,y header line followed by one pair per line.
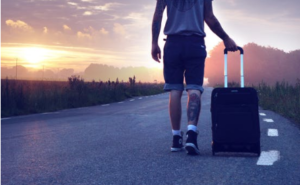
x,y
235,117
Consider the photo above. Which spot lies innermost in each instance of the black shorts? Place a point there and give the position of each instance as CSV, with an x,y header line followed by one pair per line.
x,y
184,56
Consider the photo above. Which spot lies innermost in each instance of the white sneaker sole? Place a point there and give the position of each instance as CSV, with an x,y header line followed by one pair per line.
x,y
191,149
176,149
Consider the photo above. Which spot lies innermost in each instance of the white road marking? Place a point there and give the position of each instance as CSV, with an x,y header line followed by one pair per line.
x,y
131,100
121,102
5,119
105,105
272,132
262,114
268,158
140,98
50,113
268,120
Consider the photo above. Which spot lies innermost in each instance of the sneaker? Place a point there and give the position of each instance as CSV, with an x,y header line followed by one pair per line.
x,y
177,143
191,145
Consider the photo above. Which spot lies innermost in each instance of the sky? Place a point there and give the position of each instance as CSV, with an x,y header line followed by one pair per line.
x,y
59,34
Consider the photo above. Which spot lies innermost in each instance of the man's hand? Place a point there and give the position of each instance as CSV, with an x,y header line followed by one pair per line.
x,y
156,53
230,45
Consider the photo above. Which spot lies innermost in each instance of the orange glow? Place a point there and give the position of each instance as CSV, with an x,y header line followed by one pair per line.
x,y
34,55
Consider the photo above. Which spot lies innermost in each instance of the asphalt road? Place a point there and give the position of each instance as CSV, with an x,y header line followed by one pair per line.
x,y
129,143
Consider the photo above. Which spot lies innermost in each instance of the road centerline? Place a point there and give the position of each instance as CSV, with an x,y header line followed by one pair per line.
x,y
268,158
273,132
268,120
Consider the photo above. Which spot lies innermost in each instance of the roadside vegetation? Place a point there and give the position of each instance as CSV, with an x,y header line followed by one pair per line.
x,y
20,97
282,98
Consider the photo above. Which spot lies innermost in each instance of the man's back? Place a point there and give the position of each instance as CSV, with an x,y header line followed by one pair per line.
x,y
185,17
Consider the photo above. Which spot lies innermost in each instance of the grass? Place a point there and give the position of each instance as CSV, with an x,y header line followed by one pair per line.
x,y
27,97
281,98
20,97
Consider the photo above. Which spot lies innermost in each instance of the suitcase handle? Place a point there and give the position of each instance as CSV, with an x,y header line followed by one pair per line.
x,y
242,67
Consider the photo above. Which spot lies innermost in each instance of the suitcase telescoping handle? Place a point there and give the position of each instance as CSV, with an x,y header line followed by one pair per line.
x,y
242,67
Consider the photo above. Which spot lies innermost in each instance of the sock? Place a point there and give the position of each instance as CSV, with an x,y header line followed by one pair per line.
x,y
192,127
176,132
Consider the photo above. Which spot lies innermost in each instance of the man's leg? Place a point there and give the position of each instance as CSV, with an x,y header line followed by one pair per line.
x,y
193,107
193,112
175,117
175,109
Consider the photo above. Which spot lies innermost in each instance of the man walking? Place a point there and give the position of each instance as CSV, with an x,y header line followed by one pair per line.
x,y
184,58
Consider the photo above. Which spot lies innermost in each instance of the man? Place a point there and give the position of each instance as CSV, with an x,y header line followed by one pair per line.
x,y
184,57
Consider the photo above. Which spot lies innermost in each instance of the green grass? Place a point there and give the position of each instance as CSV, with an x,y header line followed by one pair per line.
x,y
281,98
20,97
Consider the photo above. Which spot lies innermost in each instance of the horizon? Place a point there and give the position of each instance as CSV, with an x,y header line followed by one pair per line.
x,y
73,34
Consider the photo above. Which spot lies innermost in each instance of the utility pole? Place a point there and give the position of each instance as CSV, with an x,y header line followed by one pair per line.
x,y
43,72
16,68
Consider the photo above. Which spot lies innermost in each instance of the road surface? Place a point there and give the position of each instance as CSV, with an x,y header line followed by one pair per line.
x,y
129,143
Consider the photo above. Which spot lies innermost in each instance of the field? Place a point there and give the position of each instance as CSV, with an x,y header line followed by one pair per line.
x,y
27,97
282,98
20,97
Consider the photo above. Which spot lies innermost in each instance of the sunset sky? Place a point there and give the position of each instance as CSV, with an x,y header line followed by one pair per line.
x,y
74,33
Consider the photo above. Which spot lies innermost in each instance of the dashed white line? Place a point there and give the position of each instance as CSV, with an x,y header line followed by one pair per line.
x,y
5,119
131,100
268,120
268,158
105,105
273,132
121,102
50,113
140,98
262,114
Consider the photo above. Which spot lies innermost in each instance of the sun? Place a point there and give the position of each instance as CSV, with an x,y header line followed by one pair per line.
x,y
34,55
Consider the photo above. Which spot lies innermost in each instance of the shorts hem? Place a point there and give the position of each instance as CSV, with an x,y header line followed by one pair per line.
x,y
169,87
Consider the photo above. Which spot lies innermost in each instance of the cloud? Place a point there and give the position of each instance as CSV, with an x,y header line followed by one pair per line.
x,y
139,20
83,35
72,3
45,30
119,29
94,32
107,6
19,25
66,28
87,13
103,31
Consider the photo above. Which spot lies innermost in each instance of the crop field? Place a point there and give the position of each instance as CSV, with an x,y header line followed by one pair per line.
x,y
20,97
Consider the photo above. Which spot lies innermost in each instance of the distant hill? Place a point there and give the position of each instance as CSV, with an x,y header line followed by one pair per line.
x,y
104,72
260,64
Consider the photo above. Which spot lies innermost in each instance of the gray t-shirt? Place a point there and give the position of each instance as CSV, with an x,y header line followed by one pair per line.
x,y
185,17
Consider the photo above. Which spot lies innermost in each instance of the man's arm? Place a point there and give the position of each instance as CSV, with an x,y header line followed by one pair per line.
x,y
216,27
156,25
